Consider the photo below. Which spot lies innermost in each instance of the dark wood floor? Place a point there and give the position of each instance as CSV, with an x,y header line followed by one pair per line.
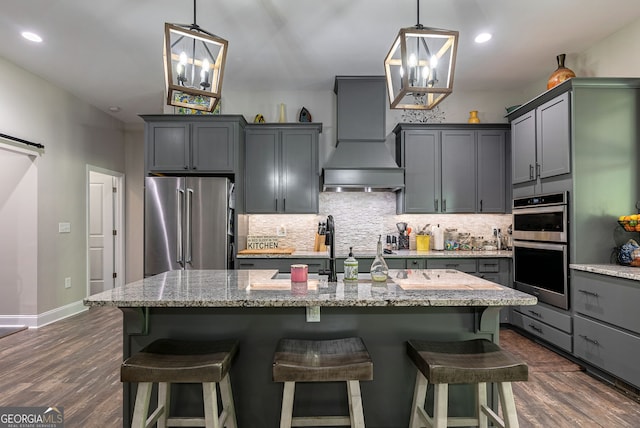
x,y
75,363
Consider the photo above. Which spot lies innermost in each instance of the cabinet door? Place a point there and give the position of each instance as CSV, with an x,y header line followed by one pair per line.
x,y
422,171
212,147
491,165
458,172
167,146
553,134
261,171
523,148
299,171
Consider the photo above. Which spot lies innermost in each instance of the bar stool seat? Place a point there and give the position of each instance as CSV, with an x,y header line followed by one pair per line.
x,y
338,360
475,361
167,361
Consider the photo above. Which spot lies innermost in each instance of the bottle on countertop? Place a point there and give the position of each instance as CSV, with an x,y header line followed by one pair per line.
x,y
438,238
351,267
379,269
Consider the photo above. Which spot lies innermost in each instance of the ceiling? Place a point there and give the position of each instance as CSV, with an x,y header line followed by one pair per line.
x,y
109,53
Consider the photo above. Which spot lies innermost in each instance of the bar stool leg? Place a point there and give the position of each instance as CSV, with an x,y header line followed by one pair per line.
x,y
440,402
141,407
164,400
509,413
287,404
419,396
210,405
227,402
481,397
356,412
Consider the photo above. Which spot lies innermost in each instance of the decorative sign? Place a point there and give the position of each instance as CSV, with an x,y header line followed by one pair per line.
x,y
262,242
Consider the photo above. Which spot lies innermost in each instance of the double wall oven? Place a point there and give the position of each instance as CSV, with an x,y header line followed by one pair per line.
x,y
540,247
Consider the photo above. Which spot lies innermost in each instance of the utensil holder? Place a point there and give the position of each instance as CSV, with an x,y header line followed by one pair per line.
x,y
422,242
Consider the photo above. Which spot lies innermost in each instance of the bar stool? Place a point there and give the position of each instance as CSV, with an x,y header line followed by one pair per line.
x,y
466,362
342,360
167,361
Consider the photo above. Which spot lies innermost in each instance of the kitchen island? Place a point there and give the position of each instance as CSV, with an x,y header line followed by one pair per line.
x,y
257,308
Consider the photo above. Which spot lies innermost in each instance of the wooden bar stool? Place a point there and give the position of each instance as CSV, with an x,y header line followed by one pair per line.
x,y
343,360
470,362
168,361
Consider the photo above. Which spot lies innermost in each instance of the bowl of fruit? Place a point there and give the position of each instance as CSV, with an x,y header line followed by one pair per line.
x,y
630,223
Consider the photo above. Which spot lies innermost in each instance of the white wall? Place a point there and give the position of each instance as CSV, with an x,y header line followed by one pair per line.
x,y
74,134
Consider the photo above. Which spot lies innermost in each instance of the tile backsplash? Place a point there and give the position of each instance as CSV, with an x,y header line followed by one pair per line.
x,y
359,219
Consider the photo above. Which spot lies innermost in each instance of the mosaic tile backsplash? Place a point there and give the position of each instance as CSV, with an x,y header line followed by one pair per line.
x,y
359,219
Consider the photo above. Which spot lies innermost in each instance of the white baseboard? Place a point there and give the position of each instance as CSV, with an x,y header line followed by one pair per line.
x,y
40,320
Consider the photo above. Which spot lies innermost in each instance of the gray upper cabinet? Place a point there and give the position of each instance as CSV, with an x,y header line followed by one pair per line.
x,y
281,168
452,168
190,145
541,143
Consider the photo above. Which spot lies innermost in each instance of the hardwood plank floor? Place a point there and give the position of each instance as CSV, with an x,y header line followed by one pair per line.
x,y
75,363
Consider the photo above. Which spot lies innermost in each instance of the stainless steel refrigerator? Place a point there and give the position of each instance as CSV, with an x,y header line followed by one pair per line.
x,y
188,224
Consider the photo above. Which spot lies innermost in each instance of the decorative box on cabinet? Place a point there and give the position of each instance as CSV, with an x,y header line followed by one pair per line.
x,y
452,168
185,144
281,168
607,324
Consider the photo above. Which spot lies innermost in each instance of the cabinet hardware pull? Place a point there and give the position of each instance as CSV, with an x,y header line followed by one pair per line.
x,y
588,339
589,293
535,328
444,205
435,204
537,169
284,204
530,172
186,167
480,205
276,205
534,313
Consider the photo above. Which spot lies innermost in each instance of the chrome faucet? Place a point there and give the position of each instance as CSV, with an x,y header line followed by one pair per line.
x,y
330,240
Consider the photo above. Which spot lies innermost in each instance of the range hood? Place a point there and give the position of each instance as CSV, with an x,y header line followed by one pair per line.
x,y
361,161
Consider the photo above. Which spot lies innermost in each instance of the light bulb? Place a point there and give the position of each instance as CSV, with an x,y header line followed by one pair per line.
x,y
204,73
434,61
413,61
183,58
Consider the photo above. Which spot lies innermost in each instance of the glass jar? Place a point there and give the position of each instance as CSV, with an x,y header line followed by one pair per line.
x,y
379,269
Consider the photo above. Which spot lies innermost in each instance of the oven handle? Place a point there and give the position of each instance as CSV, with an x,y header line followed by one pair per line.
x,y
540,245
539,210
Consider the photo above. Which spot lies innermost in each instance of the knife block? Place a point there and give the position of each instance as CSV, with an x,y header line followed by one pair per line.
x,y
319,245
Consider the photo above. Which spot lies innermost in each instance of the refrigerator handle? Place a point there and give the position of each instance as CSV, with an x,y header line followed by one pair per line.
x,y
187,258
179,254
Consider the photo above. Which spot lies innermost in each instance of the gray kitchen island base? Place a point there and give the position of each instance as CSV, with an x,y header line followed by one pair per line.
x,y
385,330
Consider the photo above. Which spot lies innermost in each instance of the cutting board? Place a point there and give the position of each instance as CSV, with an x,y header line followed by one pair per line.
x,y
269,251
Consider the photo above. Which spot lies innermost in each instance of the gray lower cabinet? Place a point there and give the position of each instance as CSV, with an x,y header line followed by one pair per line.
x,y
187,145
607,324
281,169
281,264
452,168
545,322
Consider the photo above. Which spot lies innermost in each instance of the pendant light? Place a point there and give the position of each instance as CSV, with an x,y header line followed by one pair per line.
x,y
193,65
420,65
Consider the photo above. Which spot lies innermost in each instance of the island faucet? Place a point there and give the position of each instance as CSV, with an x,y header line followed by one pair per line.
x,y
329,240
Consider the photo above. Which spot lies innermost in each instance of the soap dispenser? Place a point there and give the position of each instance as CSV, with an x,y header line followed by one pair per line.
x,y
379,268
351,267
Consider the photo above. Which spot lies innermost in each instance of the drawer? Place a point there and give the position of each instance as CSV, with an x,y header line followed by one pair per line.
x,y
281,264
543,331
416,263
545,314
612,300
489,265
608,348
463,265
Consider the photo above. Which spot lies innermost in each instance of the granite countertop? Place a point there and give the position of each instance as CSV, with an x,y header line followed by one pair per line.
x,y
626,272
256,288
396,254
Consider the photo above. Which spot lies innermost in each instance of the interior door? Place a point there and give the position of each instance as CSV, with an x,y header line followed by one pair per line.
x,y
101,227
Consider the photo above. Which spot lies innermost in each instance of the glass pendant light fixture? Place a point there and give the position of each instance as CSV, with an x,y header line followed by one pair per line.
x,y
420,65
193,65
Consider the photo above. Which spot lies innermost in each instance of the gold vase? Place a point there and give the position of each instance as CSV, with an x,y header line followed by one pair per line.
x,y
561,74
473,116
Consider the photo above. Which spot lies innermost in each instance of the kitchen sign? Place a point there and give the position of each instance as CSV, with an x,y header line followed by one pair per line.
x,y
262,242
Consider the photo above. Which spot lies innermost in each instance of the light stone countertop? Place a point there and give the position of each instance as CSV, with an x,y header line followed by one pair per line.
x,y
626,272
396,254
256,288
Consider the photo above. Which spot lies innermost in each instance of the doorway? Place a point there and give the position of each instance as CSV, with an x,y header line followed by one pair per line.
x,y
105,229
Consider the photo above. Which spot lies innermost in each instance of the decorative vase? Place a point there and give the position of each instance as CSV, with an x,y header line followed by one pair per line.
x,y
473,116
561,74
283,117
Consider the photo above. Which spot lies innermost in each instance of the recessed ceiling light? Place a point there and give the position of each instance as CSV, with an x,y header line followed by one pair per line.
x,y
114,109
483,37
31,36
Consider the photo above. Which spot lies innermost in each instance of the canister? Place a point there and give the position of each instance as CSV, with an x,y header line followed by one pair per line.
x,y
422,242
299,273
